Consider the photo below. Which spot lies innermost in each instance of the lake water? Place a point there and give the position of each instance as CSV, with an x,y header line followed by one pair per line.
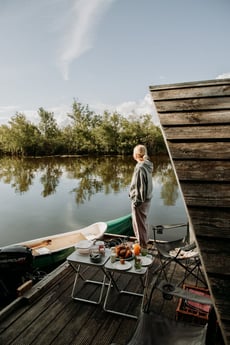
x,y
45,196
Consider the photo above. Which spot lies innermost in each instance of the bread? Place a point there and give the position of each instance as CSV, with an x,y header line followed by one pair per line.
x,y
123,251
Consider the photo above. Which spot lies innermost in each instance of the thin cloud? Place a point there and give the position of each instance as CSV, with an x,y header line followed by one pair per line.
x,y
6,112
80,28
8,108
135,108
223,76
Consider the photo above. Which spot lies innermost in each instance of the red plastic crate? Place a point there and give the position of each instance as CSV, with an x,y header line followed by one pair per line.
x,y
189,310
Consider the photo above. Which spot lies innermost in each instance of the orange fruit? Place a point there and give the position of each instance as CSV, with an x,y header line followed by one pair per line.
x,y
136,249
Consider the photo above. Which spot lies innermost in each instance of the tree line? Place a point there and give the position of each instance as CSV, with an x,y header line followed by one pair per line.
x,y
86,133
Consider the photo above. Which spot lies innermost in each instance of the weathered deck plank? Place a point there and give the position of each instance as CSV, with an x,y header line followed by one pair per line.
x,y
55,318
30,315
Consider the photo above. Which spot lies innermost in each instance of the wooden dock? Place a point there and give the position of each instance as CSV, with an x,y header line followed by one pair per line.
x,y
47,314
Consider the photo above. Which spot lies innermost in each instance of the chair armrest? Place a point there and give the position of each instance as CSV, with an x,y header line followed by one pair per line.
x,y
173,290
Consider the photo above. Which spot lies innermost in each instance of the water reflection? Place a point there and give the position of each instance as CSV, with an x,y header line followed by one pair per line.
x,y
92,175
51,174
45,196
18,173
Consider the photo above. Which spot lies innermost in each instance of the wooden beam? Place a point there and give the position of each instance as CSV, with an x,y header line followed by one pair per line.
x,y
203,170
200,150
214,224
193,104
195,117
206,194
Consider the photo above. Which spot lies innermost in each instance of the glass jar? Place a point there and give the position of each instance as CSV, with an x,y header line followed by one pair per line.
x,y
101,247
144,251
137,263
113,255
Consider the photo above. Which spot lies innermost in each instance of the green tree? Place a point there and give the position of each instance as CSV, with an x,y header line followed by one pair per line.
x,y
87,133
47,125
5,140
50,133
21,137
82,122
107,133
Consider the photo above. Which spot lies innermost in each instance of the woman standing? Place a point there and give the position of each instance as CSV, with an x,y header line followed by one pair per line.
x,y
140,193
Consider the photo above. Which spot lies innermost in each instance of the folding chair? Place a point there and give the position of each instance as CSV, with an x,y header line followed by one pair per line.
x,y
153,329
186,256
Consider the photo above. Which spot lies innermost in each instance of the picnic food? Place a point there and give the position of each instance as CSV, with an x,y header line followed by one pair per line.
x,y
137,248
123,251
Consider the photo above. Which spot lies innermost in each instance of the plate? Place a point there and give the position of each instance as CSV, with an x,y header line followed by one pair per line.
x,y
123,267
127,259
183,254
85,244
146,260
84,251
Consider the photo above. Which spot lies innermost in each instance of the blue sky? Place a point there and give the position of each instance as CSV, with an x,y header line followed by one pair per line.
x,y
106,53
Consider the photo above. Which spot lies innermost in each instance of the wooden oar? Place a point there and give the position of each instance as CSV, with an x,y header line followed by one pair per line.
x,y
40,244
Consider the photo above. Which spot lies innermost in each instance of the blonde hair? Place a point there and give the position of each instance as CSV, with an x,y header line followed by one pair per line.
x,y
141,152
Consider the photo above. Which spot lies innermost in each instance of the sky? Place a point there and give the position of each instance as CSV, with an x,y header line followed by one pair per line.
x,y
106,53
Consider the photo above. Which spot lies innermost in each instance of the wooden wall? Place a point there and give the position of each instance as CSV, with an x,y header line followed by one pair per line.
x,y
195,120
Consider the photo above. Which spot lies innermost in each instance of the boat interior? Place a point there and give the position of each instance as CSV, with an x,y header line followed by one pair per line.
x,y
65,240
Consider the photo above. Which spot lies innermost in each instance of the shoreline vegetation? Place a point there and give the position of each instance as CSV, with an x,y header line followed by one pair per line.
x,y
86,133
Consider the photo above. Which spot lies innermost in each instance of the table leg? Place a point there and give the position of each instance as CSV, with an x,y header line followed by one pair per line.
x,y
142,295
78,274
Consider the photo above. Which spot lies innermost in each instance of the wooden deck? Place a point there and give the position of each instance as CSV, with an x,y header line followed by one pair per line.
x,y
195,121
47,314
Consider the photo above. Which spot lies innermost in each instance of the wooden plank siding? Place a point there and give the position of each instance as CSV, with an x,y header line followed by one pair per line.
x,y
195,121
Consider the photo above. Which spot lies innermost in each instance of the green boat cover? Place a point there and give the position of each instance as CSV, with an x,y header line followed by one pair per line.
x,y
120,226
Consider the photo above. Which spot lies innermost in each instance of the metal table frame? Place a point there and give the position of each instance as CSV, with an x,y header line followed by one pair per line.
x,y
76,261
111,270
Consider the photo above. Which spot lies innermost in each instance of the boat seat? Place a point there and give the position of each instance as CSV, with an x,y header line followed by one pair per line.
x,y
41,250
